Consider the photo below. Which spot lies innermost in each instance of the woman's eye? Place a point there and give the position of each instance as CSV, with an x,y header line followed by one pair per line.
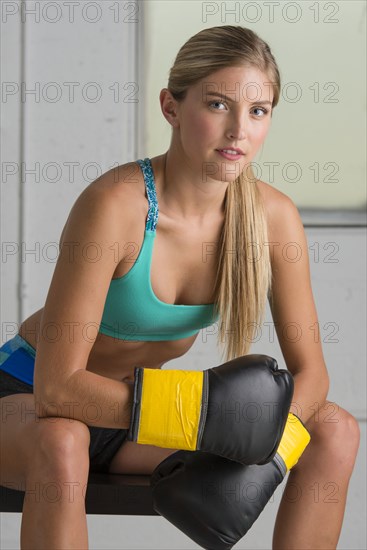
x,y
262,109
216,103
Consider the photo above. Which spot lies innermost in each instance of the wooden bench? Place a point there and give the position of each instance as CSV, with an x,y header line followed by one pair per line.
x,y
106,494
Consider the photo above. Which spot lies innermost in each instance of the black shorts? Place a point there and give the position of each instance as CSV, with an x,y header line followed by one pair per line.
x,y
104,442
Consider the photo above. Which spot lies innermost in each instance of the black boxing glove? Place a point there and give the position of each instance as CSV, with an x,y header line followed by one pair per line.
x,y
215,501
237,410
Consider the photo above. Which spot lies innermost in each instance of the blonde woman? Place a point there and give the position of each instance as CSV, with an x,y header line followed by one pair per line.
x,y
182,243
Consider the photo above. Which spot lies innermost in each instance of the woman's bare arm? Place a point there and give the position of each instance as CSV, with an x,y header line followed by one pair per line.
x,y
293,308
73,310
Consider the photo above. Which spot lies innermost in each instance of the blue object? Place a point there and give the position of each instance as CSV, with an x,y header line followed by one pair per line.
x,y
17,358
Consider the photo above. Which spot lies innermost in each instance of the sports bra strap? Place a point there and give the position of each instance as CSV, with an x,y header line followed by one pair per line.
x,y
148,174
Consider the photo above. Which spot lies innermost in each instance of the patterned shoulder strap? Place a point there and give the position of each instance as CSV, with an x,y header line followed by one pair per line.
x,y
148,174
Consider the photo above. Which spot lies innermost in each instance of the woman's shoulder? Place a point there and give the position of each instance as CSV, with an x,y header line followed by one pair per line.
x,y
273,199
121,189
118,194
121,181
281,211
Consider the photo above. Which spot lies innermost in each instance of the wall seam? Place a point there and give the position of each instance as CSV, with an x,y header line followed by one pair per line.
x,y
140,74
21,206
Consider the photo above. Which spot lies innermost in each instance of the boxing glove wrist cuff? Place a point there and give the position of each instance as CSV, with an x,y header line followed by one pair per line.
x,y
294,441
166,408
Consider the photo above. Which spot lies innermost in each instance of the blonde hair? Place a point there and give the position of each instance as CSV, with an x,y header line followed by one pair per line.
x,y
243,278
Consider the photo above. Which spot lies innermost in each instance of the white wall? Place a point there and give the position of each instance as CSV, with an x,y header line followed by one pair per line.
x,y
81,115
34,211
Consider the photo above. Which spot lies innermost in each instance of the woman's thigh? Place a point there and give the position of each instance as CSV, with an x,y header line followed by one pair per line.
x,y
134,458
20,433
17,411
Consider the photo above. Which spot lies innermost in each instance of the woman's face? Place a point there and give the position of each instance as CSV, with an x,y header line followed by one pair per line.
x,y
207,121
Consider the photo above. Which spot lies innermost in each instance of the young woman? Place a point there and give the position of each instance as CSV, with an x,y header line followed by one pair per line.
x,y
133,286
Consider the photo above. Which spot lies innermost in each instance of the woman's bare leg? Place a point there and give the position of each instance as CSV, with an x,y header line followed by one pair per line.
x,y
54,515
49,459
311,511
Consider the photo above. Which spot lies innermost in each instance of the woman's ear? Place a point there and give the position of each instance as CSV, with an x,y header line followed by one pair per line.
x,y
169,107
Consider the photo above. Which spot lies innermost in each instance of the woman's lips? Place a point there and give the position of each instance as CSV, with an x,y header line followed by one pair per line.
x,y
229,156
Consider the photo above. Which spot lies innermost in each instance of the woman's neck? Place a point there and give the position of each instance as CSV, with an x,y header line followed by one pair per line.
x,y
184,194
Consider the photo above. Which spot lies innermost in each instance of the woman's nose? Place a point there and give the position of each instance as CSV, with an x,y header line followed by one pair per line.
x,y
237,129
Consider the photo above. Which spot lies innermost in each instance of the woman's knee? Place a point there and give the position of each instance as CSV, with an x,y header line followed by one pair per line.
x,y
62,443
336,429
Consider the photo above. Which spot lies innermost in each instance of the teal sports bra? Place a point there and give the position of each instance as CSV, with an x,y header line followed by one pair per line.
x,y
132,311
